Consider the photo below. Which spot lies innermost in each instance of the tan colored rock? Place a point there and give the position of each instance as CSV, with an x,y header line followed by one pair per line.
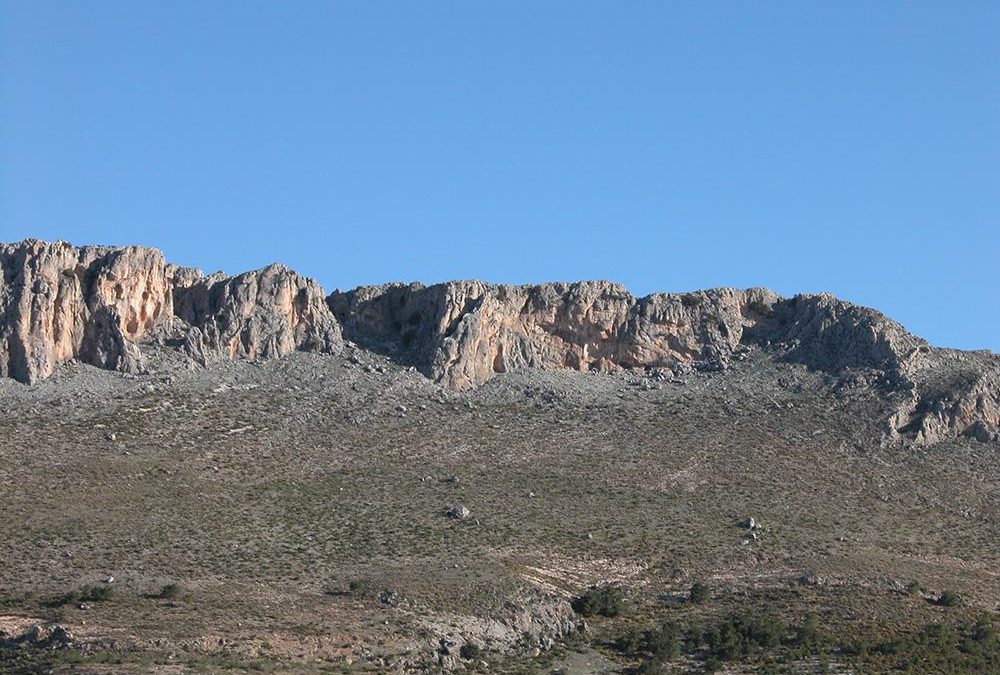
x,y
462,333
97,304
262,314
955,394
94,303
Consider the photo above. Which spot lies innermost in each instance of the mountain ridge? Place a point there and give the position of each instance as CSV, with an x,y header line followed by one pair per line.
x,y
99,304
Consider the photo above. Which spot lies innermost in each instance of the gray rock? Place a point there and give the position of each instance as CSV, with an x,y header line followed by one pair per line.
x,y
459,511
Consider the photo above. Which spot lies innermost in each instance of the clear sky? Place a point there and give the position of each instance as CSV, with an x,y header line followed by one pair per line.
x,y
850,147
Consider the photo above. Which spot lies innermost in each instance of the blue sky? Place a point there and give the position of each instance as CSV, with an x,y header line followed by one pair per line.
x,y
850,147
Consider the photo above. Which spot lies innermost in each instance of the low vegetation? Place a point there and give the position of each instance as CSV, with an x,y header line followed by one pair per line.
x,y
601,601
169,592
98,593
699,594
760,639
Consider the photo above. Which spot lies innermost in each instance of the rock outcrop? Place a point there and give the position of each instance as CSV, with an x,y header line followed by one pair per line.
x,y
96,304
462,333
956,395
259,315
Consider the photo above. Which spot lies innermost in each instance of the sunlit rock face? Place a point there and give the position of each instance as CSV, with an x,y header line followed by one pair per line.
x,y
97,303
262,314
100,304
94,303
463,333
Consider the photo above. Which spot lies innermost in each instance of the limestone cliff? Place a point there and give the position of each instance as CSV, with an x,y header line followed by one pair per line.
x,y
262,314
98,304
462,333
95,303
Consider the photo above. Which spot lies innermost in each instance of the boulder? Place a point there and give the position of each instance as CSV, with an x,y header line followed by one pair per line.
x,y
459,511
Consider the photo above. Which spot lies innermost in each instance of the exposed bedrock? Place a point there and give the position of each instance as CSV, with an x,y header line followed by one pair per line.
x,y
462,333
259,315
99,304
94,303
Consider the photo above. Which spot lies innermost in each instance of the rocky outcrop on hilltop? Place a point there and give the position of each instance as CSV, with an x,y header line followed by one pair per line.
x,y
956,395
259,315
96,304
832,335
462,333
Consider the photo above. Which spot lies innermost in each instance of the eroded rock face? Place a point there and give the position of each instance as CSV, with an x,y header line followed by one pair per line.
x,y
262,314
98,304
59,302
523,624
831,335
463,333
950,397
95,303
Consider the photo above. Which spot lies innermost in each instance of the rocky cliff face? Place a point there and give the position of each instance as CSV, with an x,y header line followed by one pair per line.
x,y
262,314
94,303
463,333
98,304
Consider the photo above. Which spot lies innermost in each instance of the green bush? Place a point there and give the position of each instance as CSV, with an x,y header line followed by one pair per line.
x,y
742,635
946,648
96,593
700,593
601,601
469,651
810,635
169,592
84,594
358,587
949,599
665,644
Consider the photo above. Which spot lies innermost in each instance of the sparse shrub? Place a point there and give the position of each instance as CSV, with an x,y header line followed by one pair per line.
x,y
84,594
469,651
358,587
984,632
601,601
810,635
742,635
68,598
96,593
699,594
914,588
631,642
949,599
664,643
947,648
169,592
